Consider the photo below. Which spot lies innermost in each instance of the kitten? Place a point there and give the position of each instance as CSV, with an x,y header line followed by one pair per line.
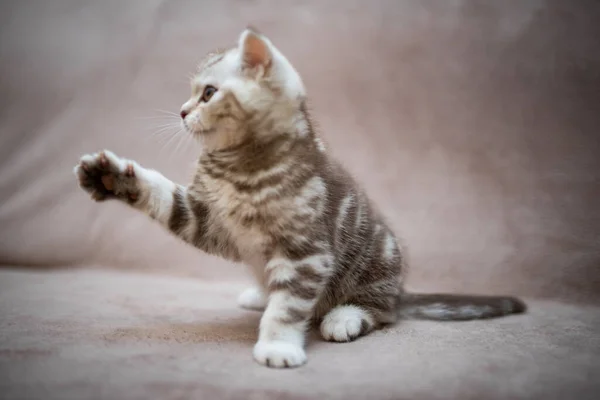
x,y
266,193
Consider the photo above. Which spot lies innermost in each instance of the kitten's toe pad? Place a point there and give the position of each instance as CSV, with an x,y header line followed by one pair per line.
x,y
346,323
104,175
279,354
252,299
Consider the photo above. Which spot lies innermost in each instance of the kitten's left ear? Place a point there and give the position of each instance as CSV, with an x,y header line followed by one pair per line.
x,y
255,50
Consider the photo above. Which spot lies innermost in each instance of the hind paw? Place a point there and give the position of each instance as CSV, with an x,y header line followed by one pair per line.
x,y
346,323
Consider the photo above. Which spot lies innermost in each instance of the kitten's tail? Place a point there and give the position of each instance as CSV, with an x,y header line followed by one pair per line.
x,y
456,307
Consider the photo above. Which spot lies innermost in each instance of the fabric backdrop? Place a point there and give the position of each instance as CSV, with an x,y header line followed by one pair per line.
x,y
474,125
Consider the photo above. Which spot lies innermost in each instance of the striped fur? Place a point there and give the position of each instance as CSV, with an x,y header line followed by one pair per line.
x,y
267,193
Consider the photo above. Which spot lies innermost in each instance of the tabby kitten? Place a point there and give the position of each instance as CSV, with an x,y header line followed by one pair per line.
x,y
267,194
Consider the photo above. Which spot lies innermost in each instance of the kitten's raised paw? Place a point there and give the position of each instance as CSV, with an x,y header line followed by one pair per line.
x,y
252,299
279,354
346,323
106,176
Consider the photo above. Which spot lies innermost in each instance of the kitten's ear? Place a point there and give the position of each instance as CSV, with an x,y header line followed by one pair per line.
x,y
255,50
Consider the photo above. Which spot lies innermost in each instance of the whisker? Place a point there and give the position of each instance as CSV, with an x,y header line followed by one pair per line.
x,y
161,127
192,143
163,132
170,134
173,135
161,117
160,114
166,125
178,147
167,112
163,143
175,149
166,121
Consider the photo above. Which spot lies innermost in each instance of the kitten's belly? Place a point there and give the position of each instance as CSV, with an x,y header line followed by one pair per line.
x,y
243,217
256,263
252,245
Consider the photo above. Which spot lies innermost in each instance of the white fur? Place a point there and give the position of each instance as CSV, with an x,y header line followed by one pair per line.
x,y
89,159
280,270
279,354
314,188
344,323
359,214
271,327
280,344
320,145
263,194
240,94
302,126
319,262
155,189
265,174
389,246
228,76
159,191
341,218
344,207
253,299
283,69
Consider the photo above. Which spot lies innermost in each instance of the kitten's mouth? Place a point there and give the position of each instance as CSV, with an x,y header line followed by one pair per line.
x,y
203,131
197,132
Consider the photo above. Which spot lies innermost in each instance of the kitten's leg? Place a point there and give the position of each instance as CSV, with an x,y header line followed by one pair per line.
x,y
253,298
346,322
372,307
107,176
294,287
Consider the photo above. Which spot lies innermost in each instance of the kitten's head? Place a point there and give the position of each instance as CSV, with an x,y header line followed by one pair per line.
x,y
250,91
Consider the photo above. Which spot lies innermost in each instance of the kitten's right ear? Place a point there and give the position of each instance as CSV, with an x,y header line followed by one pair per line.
x,y
255,50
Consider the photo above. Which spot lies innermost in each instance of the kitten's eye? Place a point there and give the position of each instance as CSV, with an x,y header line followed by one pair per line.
x,y
209,91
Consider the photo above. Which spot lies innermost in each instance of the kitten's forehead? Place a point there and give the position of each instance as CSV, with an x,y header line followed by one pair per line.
x,y
216,66
213,57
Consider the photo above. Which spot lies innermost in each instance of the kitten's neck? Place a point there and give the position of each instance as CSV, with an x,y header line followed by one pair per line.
x,y
254,155
264,132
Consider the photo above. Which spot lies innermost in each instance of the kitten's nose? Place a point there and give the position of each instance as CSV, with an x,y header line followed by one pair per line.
x,y
183,114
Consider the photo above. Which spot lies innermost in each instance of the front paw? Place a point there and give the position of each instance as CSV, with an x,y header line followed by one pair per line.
x,y
106,176
279,354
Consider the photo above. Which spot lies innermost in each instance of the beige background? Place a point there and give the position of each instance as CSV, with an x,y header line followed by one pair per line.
x,y
473,124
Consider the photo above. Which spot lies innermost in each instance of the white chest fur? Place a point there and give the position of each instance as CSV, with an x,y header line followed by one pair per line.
x,y
231,209
271,210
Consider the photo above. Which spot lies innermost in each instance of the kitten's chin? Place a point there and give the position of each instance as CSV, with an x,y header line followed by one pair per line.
x,y
198,132
203,132
195,130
